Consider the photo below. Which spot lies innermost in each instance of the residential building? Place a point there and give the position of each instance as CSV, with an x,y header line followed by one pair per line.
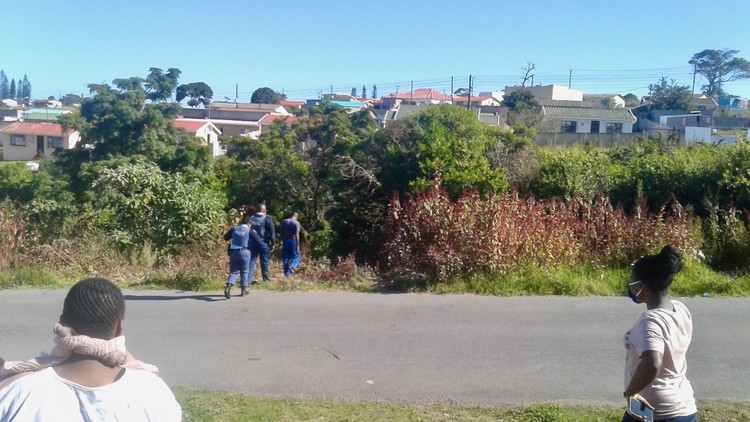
x,y
419,97
23,141
478,101
204,130
549,92
588,120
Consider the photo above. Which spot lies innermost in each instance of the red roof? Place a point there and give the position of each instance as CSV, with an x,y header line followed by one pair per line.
x,y
270,118
291,103
24,128
190,125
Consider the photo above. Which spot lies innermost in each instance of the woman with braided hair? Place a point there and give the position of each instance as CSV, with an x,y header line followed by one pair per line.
x,y
89,375
655,366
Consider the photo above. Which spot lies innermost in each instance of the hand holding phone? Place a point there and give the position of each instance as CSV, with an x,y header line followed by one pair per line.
x,y
640,409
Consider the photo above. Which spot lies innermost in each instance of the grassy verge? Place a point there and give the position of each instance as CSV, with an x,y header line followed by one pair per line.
x,y
220,406
696,279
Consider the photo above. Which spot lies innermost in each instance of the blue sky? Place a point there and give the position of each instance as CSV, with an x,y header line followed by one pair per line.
x,y
305,47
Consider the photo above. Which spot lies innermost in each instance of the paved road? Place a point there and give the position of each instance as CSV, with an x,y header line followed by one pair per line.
x,y
398,348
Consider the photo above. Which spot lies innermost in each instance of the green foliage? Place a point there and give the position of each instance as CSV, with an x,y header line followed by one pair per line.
x,y
667,95
584,172
520,100
718,67
199,93
138,204
455,145
266,95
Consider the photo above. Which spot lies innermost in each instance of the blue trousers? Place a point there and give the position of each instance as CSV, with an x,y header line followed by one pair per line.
x,y
690,418
239,266
264,252
290,256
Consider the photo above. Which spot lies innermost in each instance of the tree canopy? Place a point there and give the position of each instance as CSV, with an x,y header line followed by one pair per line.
x,y
199,93
719,67
667,95
266,95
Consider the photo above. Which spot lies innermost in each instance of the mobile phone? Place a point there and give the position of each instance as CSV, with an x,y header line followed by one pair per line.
x,y
636,408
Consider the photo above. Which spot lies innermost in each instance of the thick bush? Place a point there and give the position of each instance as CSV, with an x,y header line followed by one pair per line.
x,y
432,235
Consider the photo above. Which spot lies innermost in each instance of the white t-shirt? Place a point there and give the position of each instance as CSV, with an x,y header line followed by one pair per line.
x,y
669,333
45,396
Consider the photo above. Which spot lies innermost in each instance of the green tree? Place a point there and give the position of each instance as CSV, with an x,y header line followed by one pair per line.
x,y
199,93
354,91
70,99
116,124
138,204
631,100
266,95
26,89
667,95
519,100
159,86
719,67
12,90
4,87
364,92
374,92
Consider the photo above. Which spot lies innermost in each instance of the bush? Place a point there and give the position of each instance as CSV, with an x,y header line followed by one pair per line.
x,y
432,235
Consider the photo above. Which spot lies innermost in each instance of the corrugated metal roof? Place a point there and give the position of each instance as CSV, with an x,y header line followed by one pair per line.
x,y
580,113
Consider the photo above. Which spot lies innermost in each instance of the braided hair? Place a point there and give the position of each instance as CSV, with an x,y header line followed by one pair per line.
x,y
93,307
658,271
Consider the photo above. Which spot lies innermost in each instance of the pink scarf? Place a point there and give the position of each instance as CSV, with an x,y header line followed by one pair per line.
x,y
110,352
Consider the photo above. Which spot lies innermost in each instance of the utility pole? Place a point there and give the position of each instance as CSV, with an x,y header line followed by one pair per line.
x,y
411,94
570,78
694,70
468,103
236,94
451,89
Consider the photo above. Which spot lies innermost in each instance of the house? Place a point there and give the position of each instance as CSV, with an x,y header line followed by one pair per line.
x,y
10,103
235,119
46,103
269,119
589,120
419,97
350,106
23,141
486,101
203,130
550,92
291,106
732,104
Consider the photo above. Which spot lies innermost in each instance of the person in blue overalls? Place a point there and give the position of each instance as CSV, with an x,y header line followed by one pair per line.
x,y
262,225
244,241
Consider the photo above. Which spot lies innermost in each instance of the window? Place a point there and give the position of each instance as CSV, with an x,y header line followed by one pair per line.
x,y
55,142
614,127
568,127
18,140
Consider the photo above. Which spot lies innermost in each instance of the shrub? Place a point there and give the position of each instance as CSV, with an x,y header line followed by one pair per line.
x,y
433,235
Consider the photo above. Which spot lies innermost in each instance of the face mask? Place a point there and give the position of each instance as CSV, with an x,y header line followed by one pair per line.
x,y
634,297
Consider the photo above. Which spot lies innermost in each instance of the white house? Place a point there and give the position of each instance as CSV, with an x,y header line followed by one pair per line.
x,y
23,141
589,120
203,130
550,92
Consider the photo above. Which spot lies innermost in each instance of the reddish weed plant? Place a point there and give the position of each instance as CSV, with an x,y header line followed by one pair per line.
x,y
441,239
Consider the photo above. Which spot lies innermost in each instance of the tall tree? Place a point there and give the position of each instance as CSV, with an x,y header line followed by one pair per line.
x,y
70,99
159,86
4,87
520,100
266,95
374,92
364,92
718,67
26,88
667,95
12,89
199,93
354,91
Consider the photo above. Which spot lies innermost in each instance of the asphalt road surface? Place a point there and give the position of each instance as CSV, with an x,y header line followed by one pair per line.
x,y
404,348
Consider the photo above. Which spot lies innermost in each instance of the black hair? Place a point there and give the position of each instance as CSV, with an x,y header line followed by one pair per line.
x,y
93,308
658,271
247,219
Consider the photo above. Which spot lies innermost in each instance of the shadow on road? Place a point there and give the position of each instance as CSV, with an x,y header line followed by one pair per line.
x,y
205,298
